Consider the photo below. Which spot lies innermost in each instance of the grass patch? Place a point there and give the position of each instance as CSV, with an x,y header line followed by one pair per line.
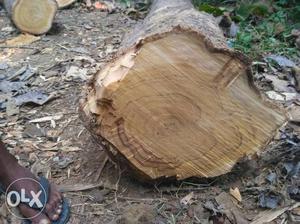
x,y
265,26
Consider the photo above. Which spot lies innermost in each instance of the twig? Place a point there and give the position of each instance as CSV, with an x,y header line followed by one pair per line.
x,y
177,189
63,47
79,214
46,119
101,168
199,185
84,187
79,134
67,125
82,195
142,199
117,187
89,204
191,187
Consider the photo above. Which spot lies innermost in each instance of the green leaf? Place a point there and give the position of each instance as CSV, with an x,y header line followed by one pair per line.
x,y
244,11
216,11
295,14
260,9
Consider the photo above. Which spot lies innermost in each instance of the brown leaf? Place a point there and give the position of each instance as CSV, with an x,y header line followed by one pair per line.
x,y
236,194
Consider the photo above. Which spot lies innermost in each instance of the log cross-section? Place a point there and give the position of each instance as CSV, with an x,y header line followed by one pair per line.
x,y
176,101
31,16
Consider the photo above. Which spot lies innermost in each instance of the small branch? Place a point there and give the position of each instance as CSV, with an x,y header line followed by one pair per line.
x,y
84,187
101,168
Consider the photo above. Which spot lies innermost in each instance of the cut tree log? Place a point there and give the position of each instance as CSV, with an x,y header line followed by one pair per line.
x,y
31,16
64,3
176,101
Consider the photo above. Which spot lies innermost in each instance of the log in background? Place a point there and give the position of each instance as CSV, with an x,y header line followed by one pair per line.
x,y
31,16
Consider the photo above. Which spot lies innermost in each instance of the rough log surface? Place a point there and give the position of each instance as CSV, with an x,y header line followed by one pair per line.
x,y
31,16
176,101
167,16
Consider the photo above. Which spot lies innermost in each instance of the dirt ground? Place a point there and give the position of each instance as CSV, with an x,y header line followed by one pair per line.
x,y
99,192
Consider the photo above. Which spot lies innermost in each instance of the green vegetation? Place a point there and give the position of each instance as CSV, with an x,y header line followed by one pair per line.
x,y
264,26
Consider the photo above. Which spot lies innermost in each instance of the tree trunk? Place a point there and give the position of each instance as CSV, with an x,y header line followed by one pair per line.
x,y
31,16
176,101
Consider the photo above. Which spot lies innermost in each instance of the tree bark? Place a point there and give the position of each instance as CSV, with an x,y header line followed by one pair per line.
x,y
31,16
177,101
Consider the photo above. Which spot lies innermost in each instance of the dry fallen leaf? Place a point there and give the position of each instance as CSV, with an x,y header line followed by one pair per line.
x,y
279,84
294,113
236,194
76,72
187,200
229,207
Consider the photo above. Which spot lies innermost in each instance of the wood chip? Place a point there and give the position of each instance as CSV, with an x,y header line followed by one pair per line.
x,y
46,119
236,194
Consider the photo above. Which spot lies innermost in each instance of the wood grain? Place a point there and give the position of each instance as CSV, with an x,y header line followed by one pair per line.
x,y
179,106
